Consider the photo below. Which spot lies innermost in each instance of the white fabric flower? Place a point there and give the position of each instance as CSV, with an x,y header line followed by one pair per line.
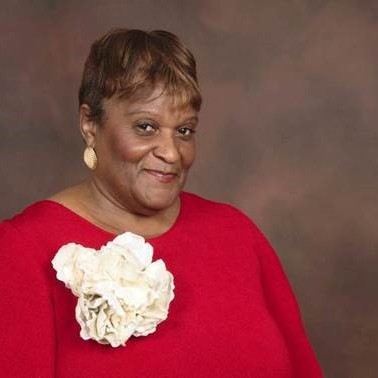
x,y
121,292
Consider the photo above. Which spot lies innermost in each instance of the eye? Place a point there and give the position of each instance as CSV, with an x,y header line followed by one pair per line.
x,y
145,128
186,131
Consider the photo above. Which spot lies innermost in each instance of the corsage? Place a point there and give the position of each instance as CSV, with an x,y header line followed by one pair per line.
x,y
121,292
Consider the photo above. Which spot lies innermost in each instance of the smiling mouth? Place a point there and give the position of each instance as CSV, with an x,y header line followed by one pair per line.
x,y
164,177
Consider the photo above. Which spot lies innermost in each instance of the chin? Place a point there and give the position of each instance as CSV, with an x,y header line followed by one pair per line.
x,y
160,203
160,200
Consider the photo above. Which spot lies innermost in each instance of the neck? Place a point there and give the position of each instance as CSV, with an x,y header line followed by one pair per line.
x,y
111,215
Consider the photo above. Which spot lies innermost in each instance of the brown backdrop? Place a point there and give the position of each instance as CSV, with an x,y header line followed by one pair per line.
x,y
288,133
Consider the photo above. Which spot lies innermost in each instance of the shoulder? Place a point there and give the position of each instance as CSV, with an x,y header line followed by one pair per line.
x,y
32,216
223,222
25,227
21,244
41,224
221,213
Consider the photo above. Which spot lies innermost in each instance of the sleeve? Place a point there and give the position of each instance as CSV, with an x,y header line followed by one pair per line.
x,y
283,307
26,316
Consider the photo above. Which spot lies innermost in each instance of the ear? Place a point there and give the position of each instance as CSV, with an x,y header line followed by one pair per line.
x,y
88,127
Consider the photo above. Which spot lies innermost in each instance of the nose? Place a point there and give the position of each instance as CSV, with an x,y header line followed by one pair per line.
x,y
167,148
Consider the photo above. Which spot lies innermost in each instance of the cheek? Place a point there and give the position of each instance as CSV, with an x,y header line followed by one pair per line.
x,y
129,150
188,153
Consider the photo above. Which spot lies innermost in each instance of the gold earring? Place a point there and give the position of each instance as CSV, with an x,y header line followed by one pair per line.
x,y
90,158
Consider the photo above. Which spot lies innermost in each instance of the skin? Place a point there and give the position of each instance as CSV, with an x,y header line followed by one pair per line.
x,y
145,149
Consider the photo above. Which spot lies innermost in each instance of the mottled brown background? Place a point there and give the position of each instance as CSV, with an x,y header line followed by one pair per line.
x,y
288,133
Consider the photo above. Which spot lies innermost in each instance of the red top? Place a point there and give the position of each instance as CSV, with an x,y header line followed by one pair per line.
x,y
234,314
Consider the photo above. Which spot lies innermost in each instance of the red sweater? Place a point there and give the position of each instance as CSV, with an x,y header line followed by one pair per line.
x,y
234,314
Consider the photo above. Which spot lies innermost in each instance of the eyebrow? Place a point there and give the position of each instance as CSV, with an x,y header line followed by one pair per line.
x,y
139,112
135,112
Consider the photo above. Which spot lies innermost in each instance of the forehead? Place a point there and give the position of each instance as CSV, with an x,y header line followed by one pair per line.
x,y
154,101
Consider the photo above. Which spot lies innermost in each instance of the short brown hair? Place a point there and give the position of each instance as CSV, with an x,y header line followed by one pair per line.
x,y
124,61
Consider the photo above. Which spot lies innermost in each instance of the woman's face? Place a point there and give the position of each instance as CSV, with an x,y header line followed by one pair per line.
x,y
145,149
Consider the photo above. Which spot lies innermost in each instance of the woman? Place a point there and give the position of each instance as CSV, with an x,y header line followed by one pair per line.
x,y
233,315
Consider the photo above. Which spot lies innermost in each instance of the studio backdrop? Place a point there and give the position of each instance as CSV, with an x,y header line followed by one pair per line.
x,y
288,133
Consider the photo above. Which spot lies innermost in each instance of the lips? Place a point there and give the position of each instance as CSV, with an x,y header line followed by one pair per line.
x,y
164,177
